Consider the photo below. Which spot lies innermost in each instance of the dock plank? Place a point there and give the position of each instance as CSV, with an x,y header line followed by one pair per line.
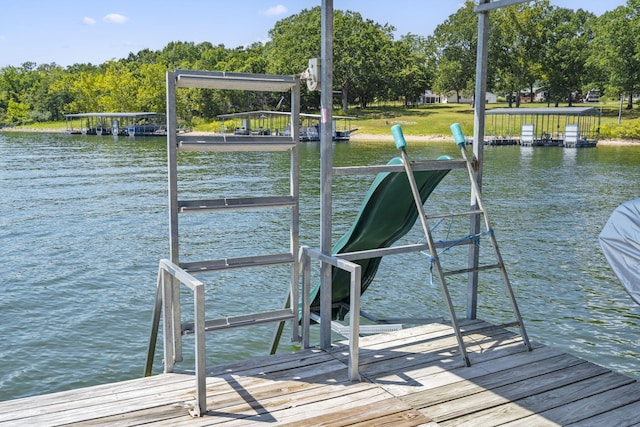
x,y
405,354
464,388
428,378
603,406
519,412
628,415
177,397
409,377
477,401
391,412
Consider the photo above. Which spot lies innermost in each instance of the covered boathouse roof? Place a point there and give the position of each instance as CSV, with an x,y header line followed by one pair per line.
x,y
248,114
556,111
142,115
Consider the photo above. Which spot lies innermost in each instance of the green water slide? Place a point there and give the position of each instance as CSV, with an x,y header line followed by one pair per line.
x,y
387,213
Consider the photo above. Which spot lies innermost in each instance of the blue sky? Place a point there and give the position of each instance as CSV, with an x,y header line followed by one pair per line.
x,y
81,31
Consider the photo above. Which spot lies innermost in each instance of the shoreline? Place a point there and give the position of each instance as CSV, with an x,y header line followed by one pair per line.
x,y
441,138
356,137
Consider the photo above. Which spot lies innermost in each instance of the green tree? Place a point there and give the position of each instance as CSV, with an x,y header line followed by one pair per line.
x,y
144,56
117,88
363,53
410,74
17,112
568,37
517,47
615,51
150,88
17,85
455,42
363,57
9,89
294,40
15,82
85,91
45,98
180,55
450,77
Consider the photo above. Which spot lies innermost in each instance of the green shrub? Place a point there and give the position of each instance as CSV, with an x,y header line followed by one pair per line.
x,y
626,130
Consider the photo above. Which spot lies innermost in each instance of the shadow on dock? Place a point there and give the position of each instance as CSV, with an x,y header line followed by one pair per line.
x,y
409,377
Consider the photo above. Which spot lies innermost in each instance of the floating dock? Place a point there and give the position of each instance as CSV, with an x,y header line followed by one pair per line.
x,y
411,377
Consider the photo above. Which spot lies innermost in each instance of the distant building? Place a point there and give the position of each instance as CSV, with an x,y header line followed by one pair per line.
x,y
453,99
539,95
430,97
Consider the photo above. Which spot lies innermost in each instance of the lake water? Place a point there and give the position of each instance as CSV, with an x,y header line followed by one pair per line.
x,y
83,223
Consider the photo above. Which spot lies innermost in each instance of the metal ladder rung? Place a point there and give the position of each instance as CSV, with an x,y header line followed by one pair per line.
x,y
510,324
243,320
401,249
231,143
239,262
470,270
424,165
452,243
208,205
447,215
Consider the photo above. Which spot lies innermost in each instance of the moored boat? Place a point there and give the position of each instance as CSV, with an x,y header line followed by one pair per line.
x,y
620,242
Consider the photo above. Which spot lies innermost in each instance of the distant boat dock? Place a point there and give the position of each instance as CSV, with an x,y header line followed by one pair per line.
x,y
264,122
570,127
122,124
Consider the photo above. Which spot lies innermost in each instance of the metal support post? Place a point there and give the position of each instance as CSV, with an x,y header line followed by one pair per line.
x,y
326,165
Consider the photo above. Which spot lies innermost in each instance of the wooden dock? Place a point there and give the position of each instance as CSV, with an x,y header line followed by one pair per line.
x,y
409,377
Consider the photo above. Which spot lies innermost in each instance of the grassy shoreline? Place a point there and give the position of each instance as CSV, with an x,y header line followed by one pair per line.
x,y
421,123
355,137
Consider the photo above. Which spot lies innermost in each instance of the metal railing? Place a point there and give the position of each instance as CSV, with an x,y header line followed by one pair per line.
x,y
170,277
306,255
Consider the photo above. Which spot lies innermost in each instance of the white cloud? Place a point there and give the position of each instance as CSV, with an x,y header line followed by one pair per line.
x,y
88,21
276,10
115,18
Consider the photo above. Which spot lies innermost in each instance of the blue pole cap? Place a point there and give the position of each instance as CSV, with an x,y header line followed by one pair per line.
x,y
398,137
458,136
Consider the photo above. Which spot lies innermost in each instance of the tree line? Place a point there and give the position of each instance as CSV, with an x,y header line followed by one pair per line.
x,y
531,45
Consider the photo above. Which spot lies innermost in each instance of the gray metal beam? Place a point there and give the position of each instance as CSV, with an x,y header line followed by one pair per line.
x,y
234,81
486,6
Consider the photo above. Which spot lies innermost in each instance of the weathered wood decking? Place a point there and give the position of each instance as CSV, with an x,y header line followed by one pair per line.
x,y
410,377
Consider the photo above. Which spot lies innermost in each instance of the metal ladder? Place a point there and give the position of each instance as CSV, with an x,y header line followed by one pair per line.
x,y
478,208
172,272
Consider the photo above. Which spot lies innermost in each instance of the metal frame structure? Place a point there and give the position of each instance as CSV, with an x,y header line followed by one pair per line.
x,y
172,272
326,163
345,261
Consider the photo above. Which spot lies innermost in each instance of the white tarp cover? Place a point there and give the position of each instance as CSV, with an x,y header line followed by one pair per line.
x,y
620,242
